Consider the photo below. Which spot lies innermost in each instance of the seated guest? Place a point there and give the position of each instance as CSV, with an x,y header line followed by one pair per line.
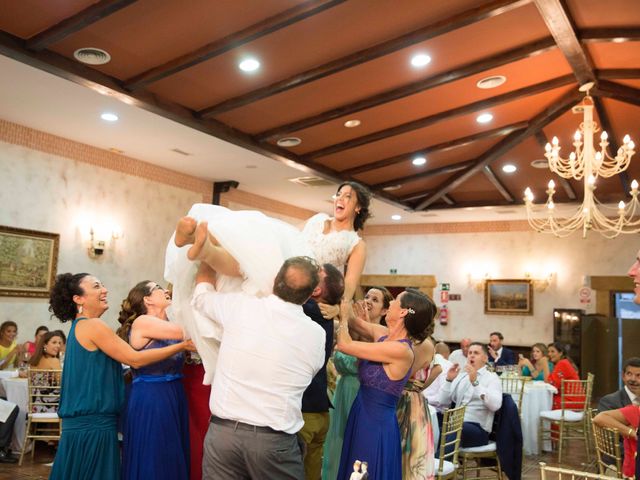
x,y
47,353
30,347
539,367
10,351
460,356
443,350
563,369
6,430
626,420
315,400
479,390
627,395
500,355
432,392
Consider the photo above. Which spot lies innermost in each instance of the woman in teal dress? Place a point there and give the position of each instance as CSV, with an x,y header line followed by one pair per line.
x,y
376,301
92,384
539,367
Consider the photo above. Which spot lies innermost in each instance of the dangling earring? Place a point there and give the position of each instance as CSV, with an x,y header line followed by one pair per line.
x,y
79,309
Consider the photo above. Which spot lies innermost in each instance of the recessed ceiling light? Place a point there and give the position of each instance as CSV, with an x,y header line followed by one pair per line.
x,y
92,56
540,163
352,123
249,65
289,142
508,168
491,82
420,60
417,161
391,188
484,118
396,217
109,117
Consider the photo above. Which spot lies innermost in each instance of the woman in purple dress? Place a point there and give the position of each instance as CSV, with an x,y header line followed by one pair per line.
x,y
372,434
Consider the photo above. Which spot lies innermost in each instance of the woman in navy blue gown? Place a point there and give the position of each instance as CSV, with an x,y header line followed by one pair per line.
x,y
372,434
156,430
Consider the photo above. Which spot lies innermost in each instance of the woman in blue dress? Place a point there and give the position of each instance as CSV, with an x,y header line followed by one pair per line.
x,y
372,434
156,429
92,391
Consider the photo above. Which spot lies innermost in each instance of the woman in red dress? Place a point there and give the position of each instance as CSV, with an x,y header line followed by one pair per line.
x,y
563,369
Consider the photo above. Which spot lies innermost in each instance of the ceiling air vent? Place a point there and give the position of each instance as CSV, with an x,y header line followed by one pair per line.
x,y
505,212
289,142
540,163
428,215
311,181
181,152
92,56
491,82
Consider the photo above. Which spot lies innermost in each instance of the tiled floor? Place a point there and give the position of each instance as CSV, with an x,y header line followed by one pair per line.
x,y
575,459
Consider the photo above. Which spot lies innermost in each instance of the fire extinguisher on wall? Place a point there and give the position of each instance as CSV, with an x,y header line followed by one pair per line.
x,y
444,315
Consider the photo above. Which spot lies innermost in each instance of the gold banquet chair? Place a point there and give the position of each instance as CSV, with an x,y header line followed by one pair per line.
x,y
572,419
557,473
514,386
608,455
450,436
43,423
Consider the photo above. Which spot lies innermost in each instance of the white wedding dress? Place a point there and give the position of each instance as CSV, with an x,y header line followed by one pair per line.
x,y
260,244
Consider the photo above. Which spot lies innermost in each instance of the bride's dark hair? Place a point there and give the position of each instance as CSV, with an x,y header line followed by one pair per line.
x,y
132,307
364,199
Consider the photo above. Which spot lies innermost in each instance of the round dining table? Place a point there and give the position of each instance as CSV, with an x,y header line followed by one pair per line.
x,y
15,390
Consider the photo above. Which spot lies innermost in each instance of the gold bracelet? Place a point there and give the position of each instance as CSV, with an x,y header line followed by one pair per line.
x,y
629,432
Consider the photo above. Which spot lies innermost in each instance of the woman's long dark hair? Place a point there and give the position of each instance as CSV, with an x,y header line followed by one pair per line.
x,y
563,351
364,199
386,300
35,359
132,307
422,311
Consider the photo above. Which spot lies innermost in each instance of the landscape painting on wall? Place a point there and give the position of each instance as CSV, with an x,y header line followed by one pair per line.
x,y
508,297
28,262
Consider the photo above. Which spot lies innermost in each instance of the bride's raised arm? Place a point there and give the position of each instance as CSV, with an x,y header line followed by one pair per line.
x,y
355,266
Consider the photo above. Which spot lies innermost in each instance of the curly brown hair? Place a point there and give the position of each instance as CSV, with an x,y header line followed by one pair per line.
x,y
132,307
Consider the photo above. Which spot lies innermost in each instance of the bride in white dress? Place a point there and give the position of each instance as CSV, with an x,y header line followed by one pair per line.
x,y
247,248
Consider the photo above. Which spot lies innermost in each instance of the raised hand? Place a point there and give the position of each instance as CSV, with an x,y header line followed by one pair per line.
x,y
453,372
329,311
471,370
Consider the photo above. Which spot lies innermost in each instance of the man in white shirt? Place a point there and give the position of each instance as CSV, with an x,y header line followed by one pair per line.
x,y
460,356
269,353
479,390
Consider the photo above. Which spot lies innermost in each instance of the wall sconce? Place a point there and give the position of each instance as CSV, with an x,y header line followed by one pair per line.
x,y
541,283
98,238
477,281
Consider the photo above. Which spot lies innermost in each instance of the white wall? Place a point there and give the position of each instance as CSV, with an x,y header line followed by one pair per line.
x,y
450,257
39,191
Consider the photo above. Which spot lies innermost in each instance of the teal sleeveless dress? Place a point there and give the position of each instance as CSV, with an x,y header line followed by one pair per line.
x,y
91,399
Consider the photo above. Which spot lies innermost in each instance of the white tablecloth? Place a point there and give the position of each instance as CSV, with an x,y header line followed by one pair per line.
x,y
538,396
16,391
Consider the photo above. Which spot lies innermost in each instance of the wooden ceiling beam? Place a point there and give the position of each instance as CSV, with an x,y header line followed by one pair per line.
x,y
617,91
75,23
472,204
440,147
445,115
491,9
560,24
504,58
613,142
237,39
454,167
568,189
495,181
538,122
615,34
414,196
618,74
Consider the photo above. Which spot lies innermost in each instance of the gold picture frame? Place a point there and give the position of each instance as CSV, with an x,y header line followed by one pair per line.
x,y
28,262
508,297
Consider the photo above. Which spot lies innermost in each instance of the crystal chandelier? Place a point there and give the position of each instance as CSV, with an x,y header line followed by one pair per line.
x,y
586,164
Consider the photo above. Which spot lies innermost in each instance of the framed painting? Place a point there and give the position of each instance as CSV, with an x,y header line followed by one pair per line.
x,y
508,297
28,262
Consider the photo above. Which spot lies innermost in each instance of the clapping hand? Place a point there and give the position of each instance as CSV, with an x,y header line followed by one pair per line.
x,y
471,371
361,311
453,372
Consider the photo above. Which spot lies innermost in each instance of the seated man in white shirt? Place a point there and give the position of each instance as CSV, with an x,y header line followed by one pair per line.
x,y
269,353
460,356
479,390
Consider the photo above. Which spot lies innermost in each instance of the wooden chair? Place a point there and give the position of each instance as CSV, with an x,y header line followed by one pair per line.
x,y
608,455
450,441
557,473
43,423
515,386
572,419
